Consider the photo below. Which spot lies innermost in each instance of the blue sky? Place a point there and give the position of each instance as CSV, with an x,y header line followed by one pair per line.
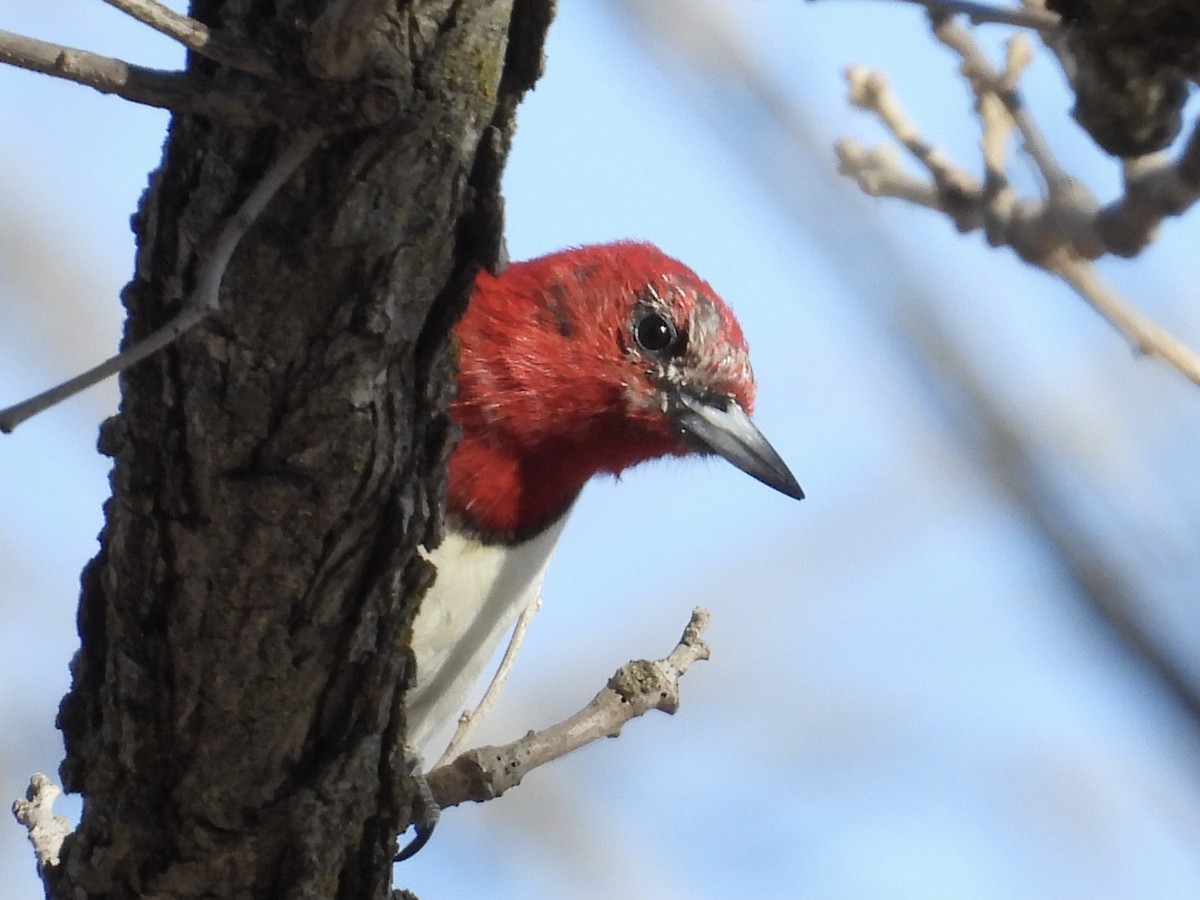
x,y
906,698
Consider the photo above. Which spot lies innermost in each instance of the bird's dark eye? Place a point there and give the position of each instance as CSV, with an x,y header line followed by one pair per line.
x,y
654,332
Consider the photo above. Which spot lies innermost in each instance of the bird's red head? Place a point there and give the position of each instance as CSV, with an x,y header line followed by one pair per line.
x,y
589,361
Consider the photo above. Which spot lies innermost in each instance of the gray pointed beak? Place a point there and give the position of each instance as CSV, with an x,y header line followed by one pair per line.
x,y
730,433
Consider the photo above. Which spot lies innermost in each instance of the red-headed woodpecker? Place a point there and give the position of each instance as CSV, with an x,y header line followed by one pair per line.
x,y
579,363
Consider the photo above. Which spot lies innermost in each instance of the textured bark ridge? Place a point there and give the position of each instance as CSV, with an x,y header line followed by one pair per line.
x,y
236,717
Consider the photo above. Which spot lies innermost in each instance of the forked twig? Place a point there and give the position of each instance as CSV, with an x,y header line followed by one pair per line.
x,y
1061,232
204,298
635,689
152,87
195,35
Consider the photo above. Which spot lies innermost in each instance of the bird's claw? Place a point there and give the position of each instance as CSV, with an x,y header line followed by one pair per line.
x,y
427,812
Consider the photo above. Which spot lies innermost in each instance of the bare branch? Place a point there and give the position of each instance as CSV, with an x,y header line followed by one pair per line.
x,y
1145,335
1060,232
195,36
36,812
340,36
869,90
152,87
982,13
958,192
205,296
487,772
1154,190
985,80
470,719
878,174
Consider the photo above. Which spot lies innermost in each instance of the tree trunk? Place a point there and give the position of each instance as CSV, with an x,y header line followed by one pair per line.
x,y
236,721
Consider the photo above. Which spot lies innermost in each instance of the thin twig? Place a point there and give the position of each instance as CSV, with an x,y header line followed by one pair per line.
x,y
470,719
1061,232
982,13
985,79
877,172
152,87
46,830
184,320
1146,335
195,36
487,772
205,296
958,192
870,90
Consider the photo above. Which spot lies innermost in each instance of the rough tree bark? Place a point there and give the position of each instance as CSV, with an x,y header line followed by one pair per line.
x,y
236,720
